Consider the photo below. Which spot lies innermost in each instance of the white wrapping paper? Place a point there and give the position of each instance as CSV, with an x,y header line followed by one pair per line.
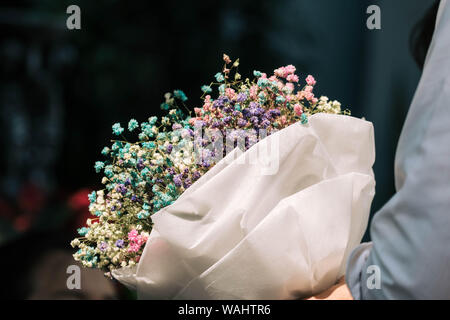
x,y
276,230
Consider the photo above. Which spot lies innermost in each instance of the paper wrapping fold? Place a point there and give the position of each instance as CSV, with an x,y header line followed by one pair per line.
x,y
246,231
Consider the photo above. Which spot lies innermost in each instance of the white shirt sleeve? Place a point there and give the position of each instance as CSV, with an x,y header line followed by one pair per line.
x,y
411,234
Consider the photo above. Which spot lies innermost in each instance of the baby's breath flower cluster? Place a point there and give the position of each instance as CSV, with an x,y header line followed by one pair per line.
x,y
141,178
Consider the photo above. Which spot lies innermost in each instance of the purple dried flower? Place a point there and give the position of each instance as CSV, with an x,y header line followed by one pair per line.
x,y
218,103
176,126
265,124
122,189
196,175
259,111
227,109
205,163
275,112
119,243
177,180
187,183
140,165
241,97
253,105
242,123
103,246
227,119
247,113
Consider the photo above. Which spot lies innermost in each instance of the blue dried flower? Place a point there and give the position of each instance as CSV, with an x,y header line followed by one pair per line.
x,y
145,172
142,136
262,82
99,166
133,124
206,89
219,77
105,151
180,95
83,231
109,171
280,99
149,145
304,119
92,197
117,129
152,120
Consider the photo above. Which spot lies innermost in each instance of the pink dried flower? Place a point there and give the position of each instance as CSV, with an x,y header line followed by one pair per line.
x,y
134,247
283,72
290,69
298,109
280,72
289,86
292,78
132,235
253,91
230,93
309,96
207,106
310,80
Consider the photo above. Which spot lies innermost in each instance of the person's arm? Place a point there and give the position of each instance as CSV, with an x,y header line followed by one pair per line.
x,y
409,257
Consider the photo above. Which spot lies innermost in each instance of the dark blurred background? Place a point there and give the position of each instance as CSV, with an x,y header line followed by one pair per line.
x,y
61,90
